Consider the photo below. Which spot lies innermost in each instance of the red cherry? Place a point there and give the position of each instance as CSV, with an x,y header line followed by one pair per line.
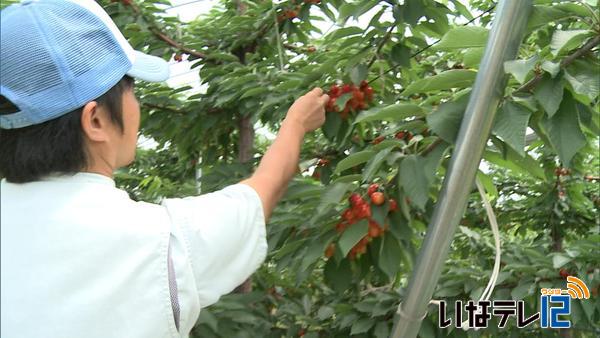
x,y
378,198
363,211
368,93
374,229
372,188
334,91
356,200
330,250
358,95
364,84
564,273
346,88
348,215
400,135
393,205
378,140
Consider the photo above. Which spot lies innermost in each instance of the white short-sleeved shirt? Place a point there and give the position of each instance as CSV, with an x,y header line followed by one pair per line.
x,y
81,259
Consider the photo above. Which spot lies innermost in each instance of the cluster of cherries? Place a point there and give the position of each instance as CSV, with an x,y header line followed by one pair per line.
x,y
361,209
401,135
125,2
288,14
361,96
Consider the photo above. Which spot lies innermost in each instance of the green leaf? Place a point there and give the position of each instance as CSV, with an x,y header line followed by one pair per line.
x,y
559,260
567,40
339,277
254,92
472,57
549,93
523,165
394,112
333,122
206,317
374,164
343,32
589,118
352,236
359,73
522,290
488,185
551,67
411,11
511,124
325,312
583,77
414,181
400,55
446,120
381,330
353,160
332,196
520,68
463,37
564,131
455,78
389,256
223,57
342,100
543,15
362,325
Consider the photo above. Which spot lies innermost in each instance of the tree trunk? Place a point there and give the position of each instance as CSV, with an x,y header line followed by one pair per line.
x,y
246,144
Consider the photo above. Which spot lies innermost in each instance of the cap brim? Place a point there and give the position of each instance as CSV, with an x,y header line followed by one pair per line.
x,y
149,68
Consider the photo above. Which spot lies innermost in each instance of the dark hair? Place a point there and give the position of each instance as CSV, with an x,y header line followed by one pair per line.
x,y
56,146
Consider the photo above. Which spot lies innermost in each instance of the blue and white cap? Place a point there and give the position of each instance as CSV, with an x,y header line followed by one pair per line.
x,y
57,55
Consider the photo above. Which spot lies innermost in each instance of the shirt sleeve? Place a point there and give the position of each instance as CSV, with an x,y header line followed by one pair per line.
x,y
224,238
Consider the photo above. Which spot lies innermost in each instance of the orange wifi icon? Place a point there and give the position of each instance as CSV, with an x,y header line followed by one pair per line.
x,y
577,288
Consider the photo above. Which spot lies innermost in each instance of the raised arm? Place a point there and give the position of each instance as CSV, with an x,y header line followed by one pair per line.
x,y
280,162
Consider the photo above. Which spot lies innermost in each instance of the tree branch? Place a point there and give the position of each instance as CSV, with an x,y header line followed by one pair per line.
x,y
529,85
154,29
386,37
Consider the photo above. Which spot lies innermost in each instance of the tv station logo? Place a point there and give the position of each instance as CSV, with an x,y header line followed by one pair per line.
x,y
554,304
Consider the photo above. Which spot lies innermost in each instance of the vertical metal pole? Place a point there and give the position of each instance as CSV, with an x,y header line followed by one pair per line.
x,y
502,45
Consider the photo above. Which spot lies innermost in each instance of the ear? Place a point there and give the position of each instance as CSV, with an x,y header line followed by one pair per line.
x,y
94,122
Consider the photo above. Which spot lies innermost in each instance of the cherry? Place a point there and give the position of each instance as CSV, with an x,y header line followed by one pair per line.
x,y
311,49
322,162
330,250
374,229
564,273
356,200
341,226
378,198
378,140
400,135
363,211
393,205
348,215
372,188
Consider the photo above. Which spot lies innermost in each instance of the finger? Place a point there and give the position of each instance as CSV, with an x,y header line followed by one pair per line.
x,y
317,91
324,99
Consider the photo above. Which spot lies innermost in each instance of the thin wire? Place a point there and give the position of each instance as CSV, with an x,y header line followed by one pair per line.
x,y
496,270
437,41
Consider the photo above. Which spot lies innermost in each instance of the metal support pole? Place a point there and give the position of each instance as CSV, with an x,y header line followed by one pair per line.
x,y
502,45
